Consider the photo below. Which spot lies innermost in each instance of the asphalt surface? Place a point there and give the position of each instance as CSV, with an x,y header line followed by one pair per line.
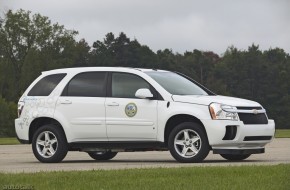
x,y
19,158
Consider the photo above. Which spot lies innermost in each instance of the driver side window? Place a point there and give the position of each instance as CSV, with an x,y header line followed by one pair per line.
x,y
125,85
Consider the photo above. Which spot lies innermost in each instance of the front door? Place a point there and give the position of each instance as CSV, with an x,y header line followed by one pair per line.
x,y
129,118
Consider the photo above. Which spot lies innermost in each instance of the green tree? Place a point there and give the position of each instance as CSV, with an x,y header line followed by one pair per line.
x,y
24,35
7,116
121,51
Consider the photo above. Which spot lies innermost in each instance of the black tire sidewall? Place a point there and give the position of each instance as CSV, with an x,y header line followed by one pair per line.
x,y
235,157
106,156
62,148
204,150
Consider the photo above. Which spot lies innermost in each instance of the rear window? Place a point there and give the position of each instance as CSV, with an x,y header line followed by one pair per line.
x,y
46,85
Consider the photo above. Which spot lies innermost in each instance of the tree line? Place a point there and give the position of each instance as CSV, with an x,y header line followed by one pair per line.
x,y
31,43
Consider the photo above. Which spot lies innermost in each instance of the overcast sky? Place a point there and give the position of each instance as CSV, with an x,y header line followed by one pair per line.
x,y
179,25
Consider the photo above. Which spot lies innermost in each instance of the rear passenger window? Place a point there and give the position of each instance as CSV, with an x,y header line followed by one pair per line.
x,y
46,85
88,84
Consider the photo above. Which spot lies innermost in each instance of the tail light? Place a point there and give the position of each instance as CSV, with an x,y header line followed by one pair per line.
x,y
20,108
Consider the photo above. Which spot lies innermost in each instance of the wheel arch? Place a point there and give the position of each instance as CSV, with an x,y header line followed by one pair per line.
x,y
174,120
40,121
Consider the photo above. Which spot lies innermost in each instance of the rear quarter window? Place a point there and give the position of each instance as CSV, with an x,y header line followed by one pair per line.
x,y
46,85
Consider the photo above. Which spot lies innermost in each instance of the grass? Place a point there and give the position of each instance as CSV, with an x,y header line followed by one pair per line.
x,y
280,133
233,177
8,141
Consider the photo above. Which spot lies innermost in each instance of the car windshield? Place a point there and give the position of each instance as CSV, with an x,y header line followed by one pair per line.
x,y
175,83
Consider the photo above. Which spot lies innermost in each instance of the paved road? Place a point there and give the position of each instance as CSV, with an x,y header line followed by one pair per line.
x,y
19,158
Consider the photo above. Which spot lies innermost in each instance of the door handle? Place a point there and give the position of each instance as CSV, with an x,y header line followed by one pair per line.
x,y
65,101
112,104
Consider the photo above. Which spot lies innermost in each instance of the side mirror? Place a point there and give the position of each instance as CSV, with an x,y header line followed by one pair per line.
x,y
143,93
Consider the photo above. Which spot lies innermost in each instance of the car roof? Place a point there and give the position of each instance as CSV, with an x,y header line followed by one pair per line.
x,y
84,69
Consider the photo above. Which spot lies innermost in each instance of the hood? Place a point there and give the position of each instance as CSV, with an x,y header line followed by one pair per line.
x,y
206,100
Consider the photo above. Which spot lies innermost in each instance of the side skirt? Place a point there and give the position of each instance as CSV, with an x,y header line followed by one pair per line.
x,y
117,146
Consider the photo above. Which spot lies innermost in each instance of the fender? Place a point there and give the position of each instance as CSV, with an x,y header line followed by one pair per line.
x,y
176,108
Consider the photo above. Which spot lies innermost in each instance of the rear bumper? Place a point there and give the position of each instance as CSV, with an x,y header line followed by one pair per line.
x,y
21,131
246,137
22,141
239,151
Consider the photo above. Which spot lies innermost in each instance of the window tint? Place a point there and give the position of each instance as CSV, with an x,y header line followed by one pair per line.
x,y
125,85
89,84
46,85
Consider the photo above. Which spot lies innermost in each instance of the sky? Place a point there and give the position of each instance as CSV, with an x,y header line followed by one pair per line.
x,y
180,25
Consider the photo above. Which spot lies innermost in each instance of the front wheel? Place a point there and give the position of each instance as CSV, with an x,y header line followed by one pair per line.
x,y
235,157
49,144
188,143
106,155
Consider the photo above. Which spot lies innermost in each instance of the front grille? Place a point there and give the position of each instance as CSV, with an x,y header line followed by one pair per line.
x,y
250,118
249,108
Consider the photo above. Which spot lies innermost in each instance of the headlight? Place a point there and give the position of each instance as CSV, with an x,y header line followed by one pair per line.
x,y
221,111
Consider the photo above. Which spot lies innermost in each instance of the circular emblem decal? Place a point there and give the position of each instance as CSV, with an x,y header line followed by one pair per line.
x,y
131,109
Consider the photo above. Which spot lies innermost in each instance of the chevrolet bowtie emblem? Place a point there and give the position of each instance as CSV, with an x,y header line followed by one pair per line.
x,y
255,111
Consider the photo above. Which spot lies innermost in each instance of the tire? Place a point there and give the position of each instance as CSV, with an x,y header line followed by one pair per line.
x,y
102,155
235,157
188,143
49,144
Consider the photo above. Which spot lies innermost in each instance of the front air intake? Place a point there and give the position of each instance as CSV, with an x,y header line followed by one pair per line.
x,y
231,132
257,138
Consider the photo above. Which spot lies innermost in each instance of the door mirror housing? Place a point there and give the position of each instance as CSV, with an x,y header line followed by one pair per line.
x,y
143,93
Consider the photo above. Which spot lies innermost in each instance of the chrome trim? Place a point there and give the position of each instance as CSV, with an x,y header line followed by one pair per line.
x,y
253,111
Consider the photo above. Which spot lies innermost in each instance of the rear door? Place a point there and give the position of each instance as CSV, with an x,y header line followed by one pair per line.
x,y
82,106
129,118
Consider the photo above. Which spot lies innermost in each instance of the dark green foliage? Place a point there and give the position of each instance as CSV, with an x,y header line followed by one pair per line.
x,y
121,51
8,112
30,44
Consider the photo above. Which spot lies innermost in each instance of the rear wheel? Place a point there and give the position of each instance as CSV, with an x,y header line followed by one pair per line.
x,y
235,157
106,155
49,144
188,142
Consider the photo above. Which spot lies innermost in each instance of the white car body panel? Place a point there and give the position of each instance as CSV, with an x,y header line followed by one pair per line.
x,y
206,100
85,117
141,127
177,108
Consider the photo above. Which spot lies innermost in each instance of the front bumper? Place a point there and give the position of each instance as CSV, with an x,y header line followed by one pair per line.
x,y
259,135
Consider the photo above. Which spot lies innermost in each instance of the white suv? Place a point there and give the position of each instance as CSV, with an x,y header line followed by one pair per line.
x,y
103,111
